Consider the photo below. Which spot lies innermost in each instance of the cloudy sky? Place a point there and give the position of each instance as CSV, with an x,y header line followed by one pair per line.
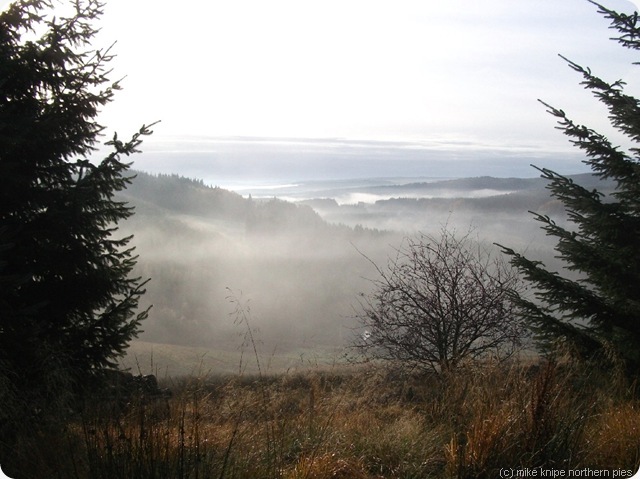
x,y
407,69
419,71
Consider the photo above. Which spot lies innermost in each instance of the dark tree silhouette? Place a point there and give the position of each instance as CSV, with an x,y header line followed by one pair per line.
x,y
440,301
68,305
595,313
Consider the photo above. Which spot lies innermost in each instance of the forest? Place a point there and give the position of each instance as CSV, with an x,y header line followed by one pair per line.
x,y
302,265
201,244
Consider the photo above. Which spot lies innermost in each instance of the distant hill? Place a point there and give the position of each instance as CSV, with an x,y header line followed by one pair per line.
x,y
494,205
299,267
172,196
202,245
159,194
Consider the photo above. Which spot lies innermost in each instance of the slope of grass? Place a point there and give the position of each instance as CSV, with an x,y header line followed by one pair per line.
x,y
170,360
348,422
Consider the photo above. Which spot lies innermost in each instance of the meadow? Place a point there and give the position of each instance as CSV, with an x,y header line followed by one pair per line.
x,y
350,421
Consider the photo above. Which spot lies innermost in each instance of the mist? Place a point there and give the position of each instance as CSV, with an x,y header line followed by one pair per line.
x,y
297,267
205,248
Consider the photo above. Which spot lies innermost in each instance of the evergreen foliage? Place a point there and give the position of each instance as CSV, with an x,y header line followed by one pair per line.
x,y
594,308
67,304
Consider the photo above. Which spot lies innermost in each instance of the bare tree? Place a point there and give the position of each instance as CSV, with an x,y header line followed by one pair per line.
x,y
440,301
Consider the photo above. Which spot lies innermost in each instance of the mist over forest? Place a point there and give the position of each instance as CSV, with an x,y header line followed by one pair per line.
x,y
298,266
297,272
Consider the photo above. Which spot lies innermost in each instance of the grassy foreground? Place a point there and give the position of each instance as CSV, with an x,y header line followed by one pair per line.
x,y
358,422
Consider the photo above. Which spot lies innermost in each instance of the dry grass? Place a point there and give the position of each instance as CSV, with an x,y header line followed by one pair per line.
x,y
613,436
357,423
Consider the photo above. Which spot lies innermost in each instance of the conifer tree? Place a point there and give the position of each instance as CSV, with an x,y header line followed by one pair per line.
x,y
68,303
595,310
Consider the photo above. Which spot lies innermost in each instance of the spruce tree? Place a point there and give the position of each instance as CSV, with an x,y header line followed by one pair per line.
x,y
68,303
594,308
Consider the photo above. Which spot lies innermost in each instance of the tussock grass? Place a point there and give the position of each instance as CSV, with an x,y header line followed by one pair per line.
x,y
357,422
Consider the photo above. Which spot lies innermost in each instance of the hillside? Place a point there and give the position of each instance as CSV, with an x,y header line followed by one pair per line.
x,y
296,269
488,203
206,247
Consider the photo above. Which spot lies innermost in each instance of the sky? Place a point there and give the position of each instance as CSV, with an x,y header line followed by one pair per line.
x,y
459,74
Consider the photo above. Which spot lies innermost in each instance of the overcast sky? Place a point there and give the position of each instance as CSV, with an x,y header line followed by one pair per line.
x,y
453,71
469,69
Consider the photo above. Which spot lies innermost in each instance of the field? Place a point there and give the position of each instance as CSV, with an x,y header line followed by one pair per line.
x,y
349,421
170,360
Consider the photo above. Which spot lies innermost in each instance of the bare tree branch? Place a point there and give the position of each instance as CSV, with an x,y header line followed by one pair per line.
x,y
440,301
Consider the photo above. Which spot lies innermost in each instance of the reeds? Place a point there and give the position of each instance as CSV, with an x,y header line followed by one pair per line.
x,y
351,422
